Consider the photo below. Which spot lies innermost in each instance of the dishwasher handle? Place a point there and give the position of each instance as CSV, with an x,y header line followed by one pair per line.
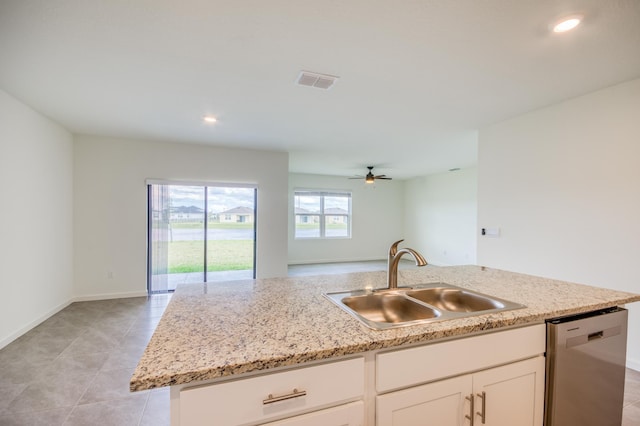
x,y
590,337
596,335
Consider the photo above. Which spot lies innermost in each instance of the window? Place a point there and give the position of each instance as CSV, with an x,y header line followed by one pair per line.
x,y
322,214
193,237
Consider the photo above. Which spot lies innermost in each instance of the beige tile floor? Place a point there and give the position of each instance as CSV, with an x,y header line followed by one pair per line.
x,y
74,368
631,413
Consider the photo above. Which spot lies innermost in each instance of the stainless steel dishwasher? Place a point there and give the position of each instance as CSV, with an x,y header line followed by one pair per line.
x,y
586,357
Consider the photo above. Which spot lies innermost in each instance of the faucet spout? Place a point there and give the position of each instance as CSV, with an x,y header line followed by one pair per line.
x,y
394,259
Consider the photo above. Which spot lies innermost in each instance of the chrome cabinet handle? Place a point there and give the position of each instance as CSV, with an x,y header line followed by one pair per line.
x,y
482,413
295,394
471,400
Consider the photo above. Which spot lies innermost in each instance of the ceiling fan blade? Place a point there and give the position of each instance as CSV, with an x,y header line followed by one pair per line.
x,y
370,177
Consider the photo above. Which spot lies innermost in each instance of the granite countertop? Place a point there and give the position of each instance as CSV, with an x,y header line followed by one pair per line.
x,y
211,330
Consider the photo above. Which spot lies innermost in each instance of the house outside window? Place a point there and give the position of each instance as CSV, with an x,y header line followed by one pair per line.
x,y
322,214
240,214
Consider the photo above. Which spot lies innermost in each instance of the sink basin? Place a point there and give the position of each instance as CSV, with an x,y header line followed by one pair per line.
x,y
389,308
383,309
455,300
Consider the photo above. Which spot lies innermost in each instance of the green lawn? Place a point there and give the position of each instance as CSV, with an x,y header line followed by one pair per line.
x,y
226,255
223,255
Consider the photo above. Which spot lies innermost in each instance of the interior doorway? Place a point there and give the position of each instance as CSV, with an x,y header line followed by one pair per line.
x,y
199,233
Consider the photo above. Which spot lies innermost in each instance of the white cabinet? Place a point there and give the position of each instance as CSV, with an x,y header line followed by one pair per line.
x,y
441,403
509,395
494,379
351,414
451,358
513,394
260,399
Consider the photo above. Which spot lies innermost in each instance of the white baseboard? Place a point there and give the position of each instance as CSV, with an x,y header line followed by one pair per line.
x,y
106,296
13,336
437,263
22,330
633,364
313,262
341,260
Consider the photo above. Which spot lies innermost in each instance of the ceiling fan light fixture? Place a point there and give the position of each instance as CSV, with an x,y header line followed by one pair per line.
x,y
370,178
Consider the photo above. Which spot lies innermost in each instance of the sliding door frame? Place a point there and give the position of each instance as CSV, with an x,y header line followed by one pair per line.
x,y
205,186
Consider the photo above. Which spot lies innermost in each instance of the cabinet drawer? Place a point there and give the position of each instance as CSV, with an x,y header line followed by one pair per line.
x,y
254,400
351,414
422,364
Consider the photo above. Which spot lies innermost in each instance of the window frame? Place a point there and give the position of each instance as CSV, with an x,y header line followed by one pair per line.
x,y
321,214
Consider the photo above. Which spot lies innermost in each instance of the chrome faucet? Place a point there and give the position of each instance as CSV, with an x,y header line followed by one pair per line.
x,y
394,259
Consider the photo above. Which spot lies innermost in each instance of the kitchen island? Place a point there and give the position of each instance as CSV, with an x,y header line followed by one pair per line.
x,y
217,332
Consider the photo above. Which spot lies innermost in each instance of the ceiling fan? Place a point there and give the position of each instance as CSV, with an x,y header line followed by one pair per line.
x,y
370,177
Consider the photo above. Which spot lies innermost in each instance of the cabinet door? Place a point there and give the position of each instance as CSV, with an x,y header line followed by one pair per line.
x,y
440,403
345,415
514,394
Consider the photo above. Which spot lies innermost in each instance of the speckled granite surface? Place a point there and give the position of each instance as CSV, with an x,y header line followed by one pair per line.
x,y
219,329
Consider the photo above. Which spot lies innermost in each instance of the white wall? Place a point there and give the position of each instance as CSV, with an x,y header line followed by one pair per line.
x,y
36,250
441,216
377,220
563,184
111,205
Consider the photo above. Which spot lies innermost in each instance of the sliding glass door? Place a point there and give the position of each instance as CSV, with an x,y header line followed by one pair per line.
x,y
200,234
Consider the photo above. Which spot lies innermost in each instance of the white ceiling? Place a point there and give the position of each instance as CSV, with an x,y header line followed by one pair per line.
x,y
417,78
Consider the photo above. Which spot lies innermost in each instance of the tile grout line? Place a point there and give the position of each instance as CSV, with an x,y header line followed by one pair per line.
x,y
80,397
144,409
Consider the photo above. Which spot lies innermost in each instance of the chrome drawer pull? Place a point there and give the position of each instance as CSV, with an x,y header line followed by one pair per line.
x,y
483,413
295,394
470,416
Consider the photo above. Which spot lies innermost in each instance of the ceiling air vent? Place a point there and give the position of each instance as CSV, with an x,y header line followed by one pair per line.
x,y
313,79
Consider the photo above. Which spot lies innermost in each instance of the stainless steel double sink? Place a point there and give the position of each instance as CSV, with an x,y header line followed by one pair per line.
x,y
390,308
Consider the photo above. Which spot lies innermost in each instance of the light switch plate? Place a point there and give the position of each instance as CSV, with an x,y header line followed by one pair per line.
x,y
491,232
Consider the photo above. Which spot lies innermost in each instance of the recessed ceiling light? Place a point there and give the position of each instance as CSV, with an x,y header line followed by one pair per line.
x,y
209,119
567,23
